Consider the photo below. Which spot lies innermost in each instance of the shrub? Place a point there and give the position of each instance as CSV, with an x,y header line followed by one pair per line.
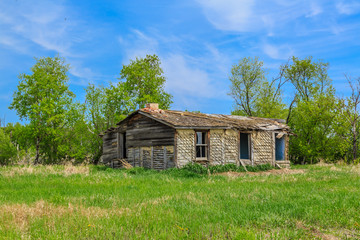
x,y
7,149
195,168
226,168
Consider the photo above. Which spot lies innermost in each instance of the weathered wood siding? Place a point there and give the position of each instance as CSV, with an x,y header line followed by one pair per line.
x,y
145,132
224,146
185,146
263,147
149,144
158,157
110,151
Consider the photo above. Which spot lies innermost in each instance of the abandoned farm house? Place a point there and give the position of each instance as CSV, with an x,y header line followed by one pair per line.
x,y
161,139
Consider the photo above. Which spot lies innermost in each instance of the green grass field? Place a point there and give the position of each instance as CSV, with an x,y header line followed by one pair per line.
x,y
88,202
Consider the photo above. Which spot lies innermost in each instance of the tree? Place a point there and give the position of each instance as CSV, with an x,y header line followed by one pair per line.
x,y
104,108
246,79
350,112
252,93
308,78
145,83
7,148
43,98
313,113
315,122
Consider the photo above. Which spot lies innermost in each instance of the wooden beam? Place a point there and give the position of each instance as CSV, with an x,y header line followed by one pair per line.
x,y
165,158
118,145
140,158
152,157
175,149
243,164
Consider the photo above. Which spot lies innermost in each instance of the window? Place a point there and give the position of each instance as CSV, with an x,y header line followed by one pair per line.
x,y
244,146
279,147
201,144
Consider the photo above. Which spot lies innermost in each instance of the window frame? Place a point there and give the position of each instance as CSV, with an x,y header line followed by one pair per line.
x,y
249,145
206,145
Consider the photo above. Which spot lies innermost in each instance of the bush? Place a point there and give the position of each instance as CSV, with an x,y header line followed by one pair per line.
x,y
192,169
226,168
7,149
195,168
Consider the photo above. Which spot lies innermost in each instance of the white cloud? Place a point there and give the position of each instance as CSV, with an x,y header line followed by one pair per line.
x,y
43,23
280,52
187,80
27,26
191,80
256,15
230,14
315,9
348,8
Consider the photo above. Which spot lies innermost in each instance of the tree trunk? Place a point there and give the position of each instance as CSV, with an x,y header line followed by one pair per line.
x,y
354,143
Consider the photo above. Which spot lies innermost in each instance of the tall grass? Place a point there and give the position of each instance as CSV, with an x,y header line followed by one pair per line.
x,y
100,203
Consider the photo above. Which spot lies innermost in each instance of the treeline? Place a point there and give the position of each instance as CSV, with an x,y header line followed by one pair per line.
x,y
59,128
325,125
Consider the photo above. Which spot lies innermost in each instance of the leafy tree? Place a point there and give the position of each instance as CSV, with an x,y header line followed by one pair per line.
x,y
104,108
315,122
252,93
308,77
313,113
43,98
7,148
145,83
349,109
246,79
21,135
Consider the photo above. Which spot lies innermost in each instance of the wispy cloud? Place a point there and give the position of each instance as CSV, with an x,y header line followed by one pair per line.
x,y
189,78
30,27
349,7
280,52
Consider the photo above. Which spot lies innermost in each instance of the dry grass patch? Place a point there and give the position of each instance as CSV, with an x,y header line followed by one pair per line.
x,y
65,170
284,171
20,215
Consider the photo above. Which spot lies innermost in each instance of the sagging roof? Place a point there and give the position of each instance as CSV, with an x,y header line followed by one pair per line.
x,y
190,120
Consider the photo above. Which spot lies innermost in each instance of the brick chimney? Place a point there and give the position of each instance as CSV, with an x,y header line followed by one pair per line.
x,y
152,106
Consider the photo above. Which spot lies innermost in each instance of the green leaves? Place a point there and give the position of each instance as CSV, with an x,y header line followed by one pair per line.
x,y
252,93
7,148
145,83
43,98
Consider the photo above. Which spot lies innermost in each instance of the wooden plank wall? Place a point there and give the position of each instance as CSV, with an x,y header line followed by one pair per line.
x,y
109,147
146,132
158,157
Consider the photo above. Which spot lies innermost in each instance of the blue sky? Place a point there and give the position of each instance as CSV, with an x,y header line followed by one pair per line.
x,y
197,41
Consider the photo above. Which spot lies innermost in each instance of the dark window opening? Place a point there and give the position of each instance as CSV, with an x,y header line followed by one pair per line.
x,y
201,145
244,146
279,148
124,146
